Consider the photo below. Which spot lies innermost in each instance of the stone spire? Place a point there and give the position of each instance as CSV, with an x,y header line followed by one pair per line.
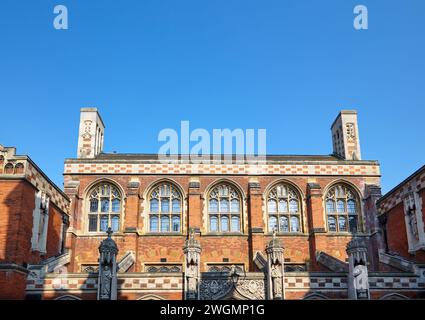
x,y
107,281
192,251
275,269
358,278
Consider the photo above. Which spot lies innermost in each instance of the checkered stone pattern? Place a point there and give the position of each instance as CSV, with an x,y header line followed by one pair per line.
x,y
233,169
90,283
36,178
162,283
396,283
331,283
62,283
414,184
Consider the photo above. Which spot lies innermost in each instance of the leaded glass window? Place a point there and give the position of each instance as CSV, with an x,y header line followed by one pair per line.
x,y
284,209
165,209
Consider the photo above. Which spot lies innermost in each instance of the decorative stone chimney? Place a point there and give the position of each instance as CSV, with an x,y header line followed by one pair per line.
x,y
107,281
358,277
91,133
275,269
345,136
192,252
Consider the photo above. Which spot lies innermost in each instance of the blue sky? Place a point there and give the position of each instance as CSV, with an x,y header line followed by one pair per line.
x,y
286,66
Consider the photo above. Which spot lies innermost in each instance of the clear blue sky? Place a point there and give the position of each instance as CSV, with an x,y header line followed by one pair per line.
x,y
287,66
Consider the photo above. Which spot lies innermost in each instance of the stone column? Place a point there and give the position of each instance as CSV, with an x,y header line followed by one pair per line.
x,y
275,269
192,275
107,281
358,278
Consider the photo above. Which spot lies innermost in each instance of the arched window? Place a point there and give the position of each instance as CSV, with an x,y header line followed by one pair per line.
x,y
165,209
19,168
8,168
284,209
342,209
224,209
105,207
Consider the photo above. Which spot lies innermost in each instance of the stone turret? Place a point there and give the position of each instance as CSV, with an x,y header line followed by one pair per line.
x,y
91,134
345,136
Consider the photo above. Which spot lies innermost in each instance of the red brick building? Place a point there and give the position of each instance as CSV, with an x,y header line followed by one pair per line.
x,y
33,221
293,227
401,215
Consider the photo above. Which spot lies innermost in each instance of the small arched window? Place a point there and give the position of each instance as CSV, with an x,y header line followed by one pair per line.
x,y
224,209
8,168
342,209
165,209
105,208
19,168
284,209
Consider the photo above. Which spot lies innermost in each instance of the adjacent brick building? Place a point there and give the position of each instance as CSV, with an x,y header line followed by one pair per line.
x,y
322,209
33,221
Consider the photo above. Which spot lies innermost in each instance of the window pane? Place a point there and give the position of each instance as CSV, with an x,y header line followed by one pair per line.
x,y
330,206
94,204
272,223
213,205
154,224
165,205
351,206
116,204
283,206
176,224
176,205
224,224
115,223
340,206
353,224
235,224
293,206
332,224
104,223
235,205
224,205
342,224
165,224
213,224
295,224
92,223
105,205
283,224
272,206
154,205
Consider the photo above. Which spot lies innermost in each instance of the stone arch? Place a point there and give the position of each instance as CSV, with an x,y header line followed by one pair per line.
x,y
68,297
394,296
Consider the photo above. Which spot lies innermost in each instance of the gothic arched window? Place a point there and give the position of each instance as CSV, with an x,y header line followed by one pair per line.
x,y
284,209
342,209
224,209
165,209
105,207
